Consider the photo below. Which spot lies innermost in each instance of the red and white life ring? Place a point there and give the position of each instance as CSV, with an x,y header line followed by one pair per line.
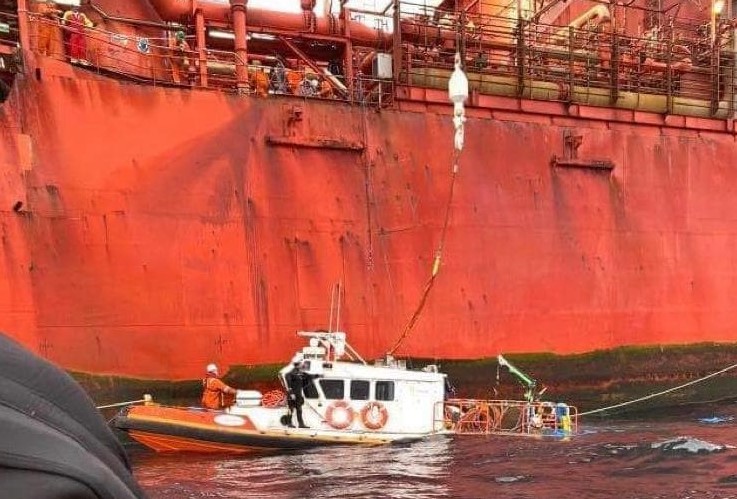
x,y
340,415
374,415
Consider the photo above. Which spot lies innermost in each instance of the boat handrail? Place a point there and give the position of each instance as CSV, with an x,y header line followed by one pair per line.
x,y
507,417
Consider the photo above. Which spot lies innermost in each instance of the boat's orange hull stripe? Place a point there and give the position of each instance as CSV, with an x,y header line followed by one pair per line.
x,y
204,421
168,443
183,417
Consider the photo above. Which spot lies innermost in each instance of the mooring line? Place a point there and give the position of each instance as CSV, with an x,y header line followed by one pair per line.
x,y
146,398
653,395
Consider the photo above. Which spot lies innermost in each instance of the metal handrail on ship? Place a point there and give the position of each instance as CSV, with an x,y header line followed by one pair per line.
x,y
522,59
112,53
677,75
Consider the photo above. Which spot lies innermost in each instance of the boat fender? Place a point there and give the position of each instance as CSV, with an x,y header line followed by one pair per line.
x,y
339,415
374,415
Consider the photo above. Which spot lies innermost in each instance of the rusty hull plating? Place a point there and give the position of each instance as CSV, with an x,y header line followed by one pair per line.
x,y
147,229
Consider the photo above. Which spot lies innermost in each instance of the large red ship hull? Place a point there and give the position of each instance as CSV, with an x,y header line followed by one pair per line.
x,y
148,231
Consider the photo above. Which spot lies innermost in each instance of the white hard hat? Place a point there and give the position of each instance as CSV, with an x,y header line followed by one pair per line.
x,y
212,368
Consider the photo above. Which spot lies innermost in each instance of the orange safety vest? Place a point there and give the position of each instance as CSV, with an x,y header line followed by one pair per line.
x,y
213,394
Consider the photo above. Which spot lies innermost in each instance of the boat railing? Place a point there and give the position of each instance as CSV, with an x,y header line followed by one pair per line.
x,y
507,417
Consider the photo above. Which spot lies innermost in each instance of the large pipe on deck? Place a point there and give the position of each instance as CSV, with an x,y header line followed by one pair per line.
x,y
238,11
599,12
201,46
177,10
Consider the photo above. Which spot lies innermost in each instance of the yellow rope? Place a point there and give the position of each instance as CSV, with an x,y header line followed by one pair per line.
x,y
436,261
669,390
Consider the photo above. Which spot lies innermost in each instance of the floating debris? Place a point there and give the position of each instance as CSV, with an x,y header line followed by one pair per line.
x,y
692,445
512,479
716,419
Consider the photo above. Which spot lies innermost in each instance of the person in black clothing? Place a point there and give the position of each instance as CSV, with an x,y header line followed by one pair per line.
x,y
295,383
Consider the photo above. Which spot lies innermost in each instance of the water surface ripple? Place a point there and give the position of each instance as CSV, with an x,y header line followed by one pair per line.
x,y
689,456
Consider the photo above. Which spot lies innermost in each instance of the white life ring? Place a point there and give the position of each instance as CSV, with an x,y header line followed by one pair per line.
x,y
340,415
374,415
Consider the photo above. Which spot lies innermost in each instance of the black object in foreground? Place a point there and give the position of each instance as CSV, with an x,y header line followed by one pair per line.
x,y
54,444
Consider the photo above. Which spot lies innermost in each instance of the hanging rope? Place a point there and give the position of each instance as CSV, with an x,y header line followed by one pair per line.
x,y
647,397
436,261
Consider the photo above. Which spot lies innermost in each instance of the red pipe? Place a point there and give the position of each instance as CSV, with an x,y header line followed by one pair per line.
x,y
175,10
23,27
238,10
201,46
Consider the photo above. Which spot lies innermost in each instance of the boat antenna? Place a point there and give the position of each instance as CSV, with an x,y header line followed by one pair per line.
x,y
457,93
332,307
335,297
337,319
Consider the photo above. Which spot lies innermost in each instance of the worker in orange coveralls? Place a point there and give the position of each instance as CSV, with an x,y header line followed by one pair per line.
x,y
180,63
295,77
48,27
216,394
258,80
325,89
77,22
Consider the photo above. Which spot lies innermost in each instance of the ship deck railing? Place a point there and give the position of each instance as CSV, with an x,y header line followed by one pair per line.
x,y
679,72
508,417
673,70
153,61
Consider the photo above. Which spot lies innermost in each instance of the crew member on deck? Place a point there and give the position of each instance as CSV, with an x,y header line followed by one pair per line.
x,y
279,77
294,78
77,22
295,384
180,63
48,27
216,394
258,80
325,90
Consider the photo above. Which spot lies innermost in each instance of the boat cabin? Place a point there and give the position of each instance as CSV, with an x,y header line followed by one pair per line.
x,y
343,392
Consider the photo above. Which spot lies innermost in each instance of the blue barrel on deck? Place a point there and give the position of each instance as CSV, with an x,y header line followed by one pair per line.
x,y
561,410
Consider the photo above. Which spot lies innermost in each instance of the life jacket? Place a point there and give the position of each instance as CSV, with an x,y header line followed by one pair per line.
x,y
213,394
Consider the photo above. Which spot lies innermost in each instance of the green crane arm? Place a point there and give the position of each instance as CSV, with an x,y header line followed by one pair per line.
x,y
528,381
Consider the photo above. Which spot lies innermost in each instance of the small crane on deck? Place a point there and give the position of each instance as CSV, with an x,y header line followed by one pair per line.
x,y
531,393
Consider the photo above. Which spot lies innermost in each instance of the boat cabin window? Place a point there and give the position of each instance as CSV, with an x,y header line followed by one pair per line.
x,y
310,390
384,390
359,390
334,389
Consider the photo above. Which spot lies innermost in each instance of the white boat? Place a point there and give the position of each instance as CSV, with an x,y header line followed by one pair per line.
x,y
347,401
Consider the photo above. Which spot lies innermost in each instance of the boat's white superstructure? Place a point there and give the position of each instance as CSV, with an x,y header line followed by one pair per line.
x,y
343,393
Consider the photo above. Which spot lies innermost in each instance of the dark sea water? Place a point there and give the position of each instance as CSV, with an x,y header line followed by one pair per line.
x,y
692,454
